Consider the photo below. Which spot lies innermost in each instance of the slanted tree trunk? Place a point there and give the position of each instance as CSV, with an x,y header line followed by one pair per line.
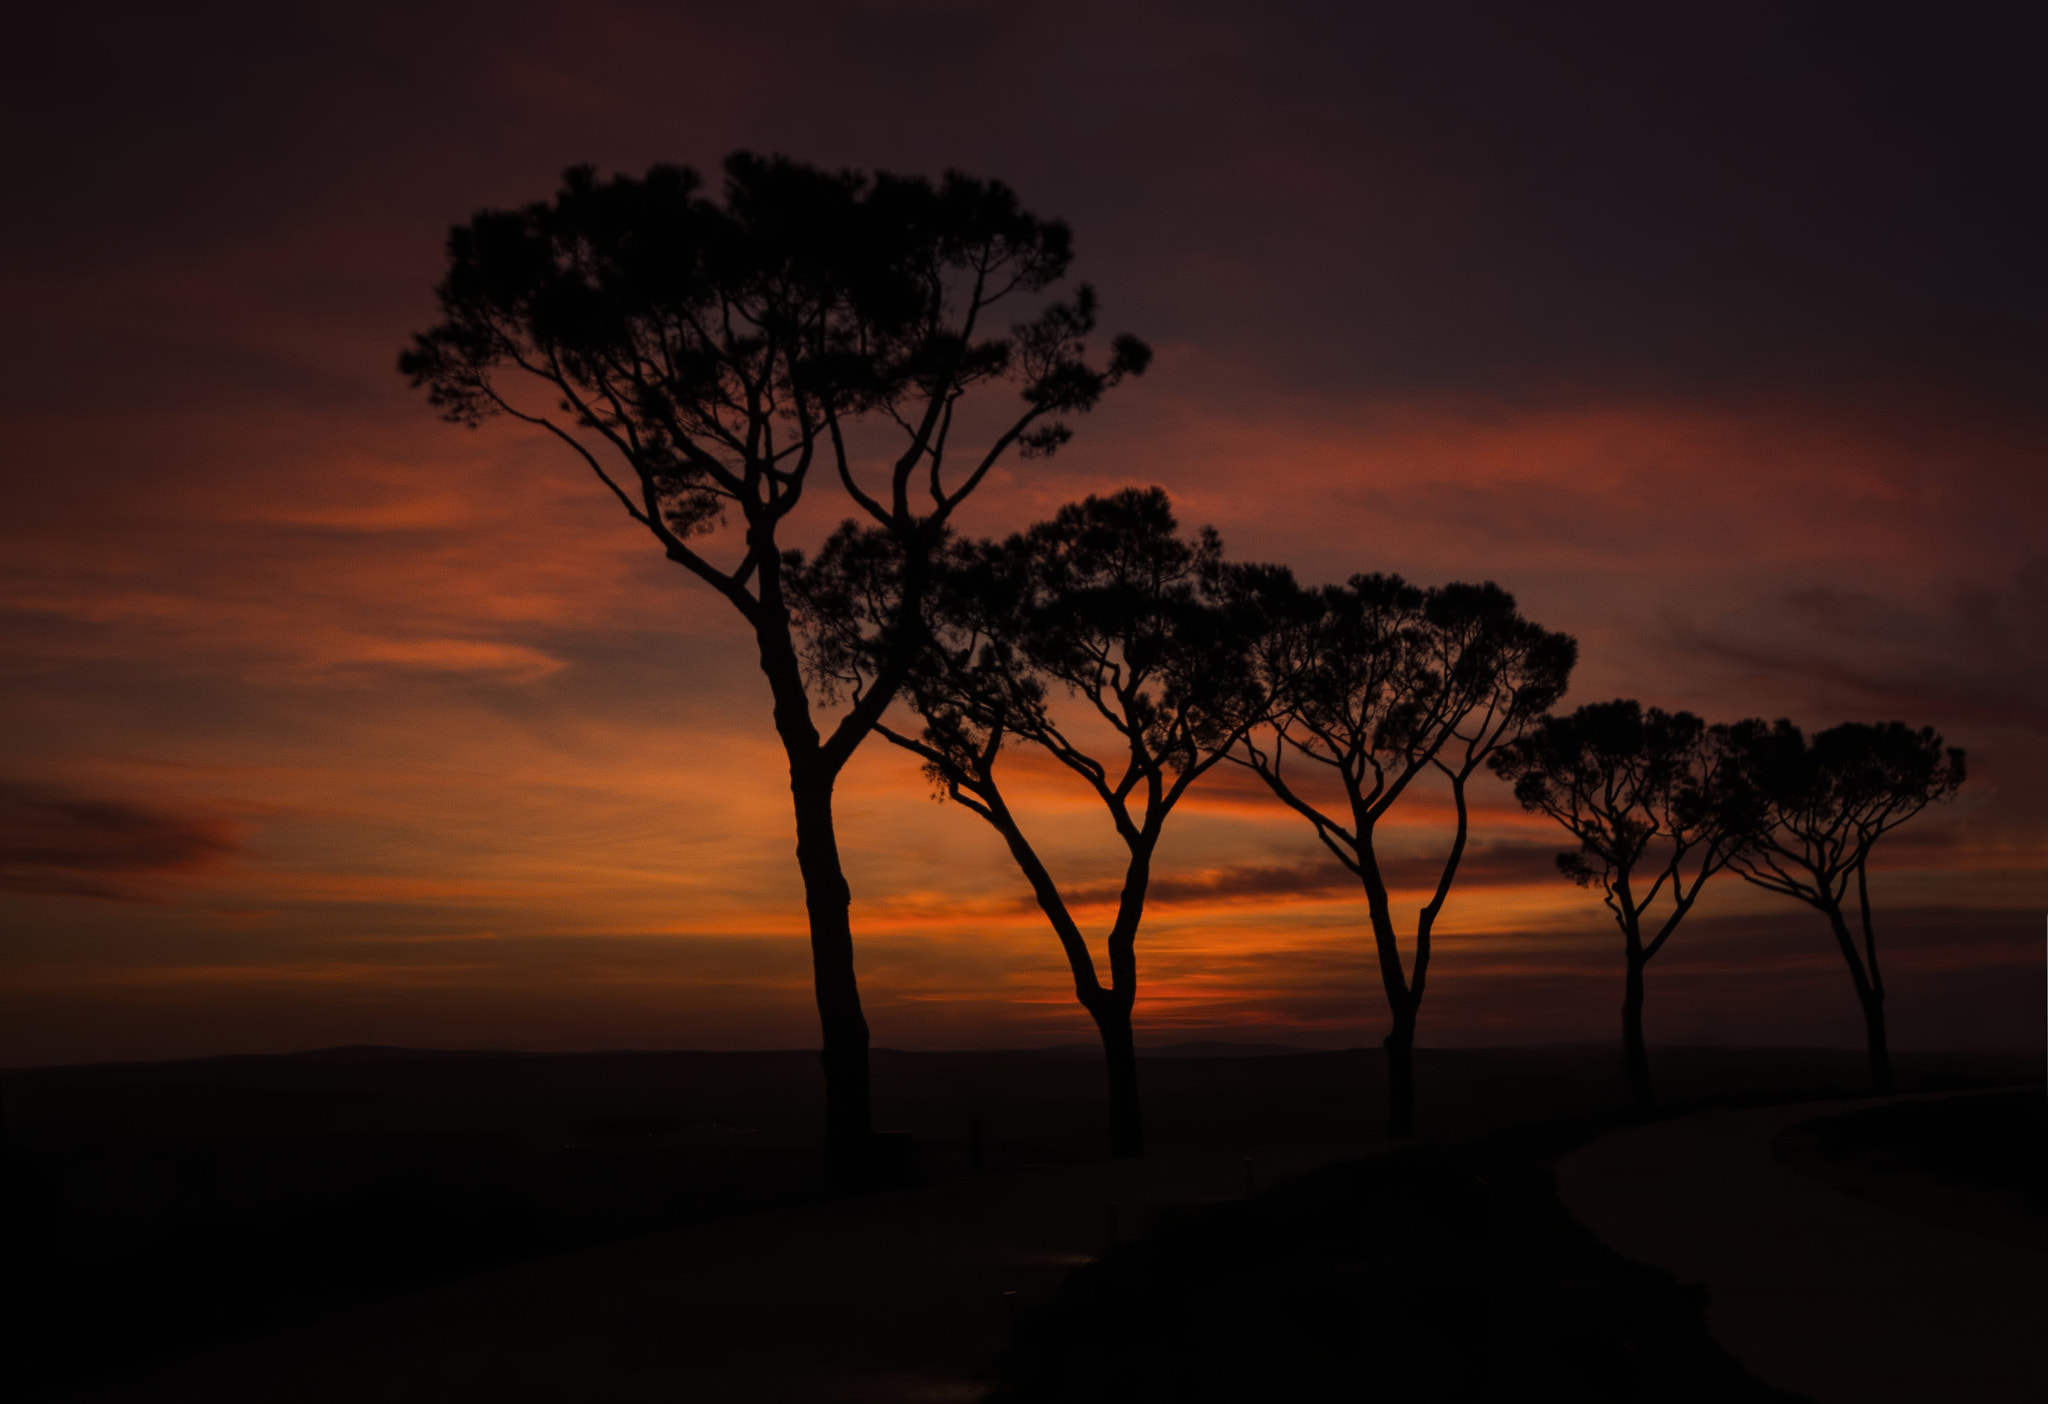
x,y
1636,1051
1109,1006
1112,1008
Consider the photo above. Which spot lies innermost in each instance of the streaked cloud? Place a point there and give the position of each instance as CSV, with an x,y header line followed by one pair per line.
x,y
58,844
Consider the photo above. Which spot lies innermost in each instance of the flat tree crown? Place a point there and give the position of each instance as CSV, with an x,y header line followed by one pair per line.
x,y
1107,600
1621,777
1831,797
714,344
1398,671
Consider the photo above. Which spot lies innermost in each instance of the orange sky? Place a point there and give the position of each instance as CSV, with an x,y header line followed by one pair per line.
x,y
322,721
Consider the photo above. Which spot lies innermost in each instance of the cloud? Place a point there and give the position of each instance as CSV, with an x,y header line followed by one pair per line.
x,y
54,844
1978,655
1503,865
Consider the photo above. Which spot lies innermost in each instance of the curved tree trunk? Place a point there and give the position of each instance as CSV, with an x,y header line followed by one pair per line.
x,y
1637,1051
848,1120
1111,1007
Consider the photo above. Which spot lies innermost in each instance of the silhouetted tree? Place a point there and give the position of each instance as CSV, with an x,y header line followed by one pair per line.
x,y
1830,801
702,357
1657,796
1156,636
1402,681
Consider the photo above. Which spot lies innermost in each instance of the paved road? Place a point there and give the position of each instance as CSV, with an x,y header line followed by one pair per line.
x,y
1814,1290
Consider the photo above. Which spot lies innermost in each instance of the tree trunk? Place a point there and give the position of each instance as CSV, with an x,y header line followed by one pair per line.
x,y
1870,996
1632,1033
1126,1124
1873,1031
1400,1046
1110,1008
848,1121
1873,997
1401,1000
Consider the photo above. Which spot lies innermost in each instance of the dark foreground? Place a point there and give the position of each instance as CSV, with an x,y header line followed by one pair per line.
x,y
209,1229
1448,1274
1974,1164
1834,1294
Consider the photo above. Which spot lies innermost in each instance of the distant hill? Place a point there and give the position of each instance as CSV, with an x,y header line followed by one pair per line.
x,y
1216,1048
1203,1048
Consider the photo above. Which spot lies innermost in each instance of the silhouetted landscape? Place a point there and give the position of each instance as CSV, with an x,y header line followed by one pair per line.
x,y
200,1221
1418,633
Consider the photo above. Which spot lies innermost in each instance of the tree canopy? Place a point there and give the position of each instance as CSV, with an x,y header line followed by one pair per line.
x,y
1634,784
1833,798
711,351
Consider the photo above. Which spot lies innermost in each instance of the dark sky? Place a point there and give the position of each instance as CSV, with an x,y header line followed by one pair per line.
x,y
1717,335
1531,200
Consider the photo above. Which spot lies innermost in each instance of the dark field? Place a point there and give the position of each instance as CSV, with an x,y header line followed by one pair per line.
x,y
157,1210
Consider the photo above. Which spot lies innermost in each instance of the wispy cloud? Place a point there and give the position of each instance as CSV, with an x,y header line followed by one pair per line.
x,y
56,844
1505,865
1979,654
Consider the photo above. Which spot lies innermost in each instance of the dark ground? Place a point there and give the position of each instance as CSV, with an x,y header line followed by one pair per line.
x,y
1449,1274
1836,1296
159,1209
1978,1164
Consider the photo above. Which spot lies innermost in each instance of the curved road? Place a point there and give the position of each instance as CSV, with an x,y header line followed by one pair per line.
x,y
1813,1290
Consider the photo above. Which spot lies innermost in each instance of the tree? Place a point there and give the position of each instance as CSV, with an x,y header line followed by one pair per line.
x,y
1402,681
1830,801
1643,793
1158,638
701,358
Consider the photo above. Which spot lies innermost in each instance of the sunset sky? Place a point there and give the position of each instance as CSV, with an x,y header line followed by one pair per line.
x,y
323,721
